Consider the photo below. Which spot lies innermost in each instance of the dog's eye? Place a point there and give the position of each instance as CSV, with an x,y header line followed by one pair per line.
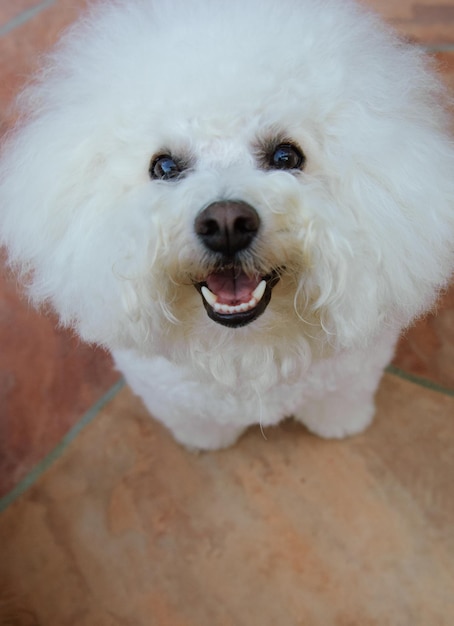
x,y
164,167
286,157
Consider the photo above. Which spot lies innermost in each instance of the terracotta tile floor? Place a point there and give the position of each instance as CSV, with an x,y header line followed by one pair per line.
x,y
104,520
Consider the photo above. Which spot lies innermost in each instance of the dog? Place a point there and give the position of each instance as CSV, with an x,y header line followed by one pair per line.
x,y
245,201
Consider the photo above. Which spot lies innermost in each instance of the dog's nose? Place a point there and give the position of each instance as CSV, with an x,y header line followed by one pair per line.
x,y
227,226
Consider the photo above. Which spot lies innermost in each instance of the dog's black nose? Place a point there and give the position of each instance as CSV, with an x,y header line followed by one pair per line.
x,y
227,226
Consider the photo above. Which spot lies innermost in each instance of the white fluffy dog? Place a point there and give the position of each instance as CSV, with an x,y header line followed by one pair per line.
x,y
244,200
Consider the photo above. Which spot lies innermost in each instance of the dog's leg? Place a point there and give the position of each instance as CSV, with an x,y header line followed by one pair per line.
x,y
198,435
339,413
194,413
347,406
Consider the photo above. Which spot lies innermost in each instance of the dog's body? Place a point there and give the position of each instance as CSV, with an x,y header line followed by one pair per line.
x,y
333,397
245,201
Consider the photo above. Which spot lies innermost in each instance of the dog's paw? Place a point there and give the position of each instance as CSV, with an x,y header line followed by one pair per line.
x,y
331,422
200,436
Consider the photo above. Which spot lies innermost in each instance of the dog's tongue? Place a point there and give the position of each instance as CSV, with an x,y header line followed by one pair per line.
x,y
232,288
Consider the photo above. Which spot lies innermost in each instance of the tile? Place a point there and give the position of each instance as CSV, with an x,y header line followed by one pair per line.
x,y
129,528
427,348
10,10
445,64
20,49
48,379
391,10
425,21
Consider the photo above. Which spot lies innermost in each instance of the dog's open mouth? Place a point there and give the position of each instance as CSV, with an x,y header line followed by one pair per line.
x,y
233,298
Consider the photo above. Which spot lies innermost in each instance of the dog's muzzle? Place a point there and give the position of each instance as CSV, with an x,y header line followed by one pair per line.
x,y
231,296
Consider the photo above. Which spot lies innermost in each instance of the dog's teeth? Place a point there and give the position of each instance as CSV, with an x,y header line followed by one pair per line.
x,y
259,291
209,296
228,309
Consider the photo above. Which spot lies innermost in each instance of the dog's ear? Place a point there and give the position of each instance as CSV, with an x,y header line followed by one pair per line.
x,y
402,190
58,172
44,169
416,231
388,249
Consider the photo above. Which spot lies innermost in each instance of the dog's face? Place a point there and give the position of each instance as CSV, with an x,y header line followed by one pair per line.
x,y
188,181
235,202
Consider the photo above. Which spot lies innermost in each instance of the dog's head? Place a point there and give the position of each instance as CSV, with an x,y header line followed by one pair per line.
x,y
228,174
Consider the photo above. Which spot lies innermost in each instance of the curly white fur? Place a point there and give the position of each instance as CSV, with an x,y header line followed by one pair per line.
x,y
363,236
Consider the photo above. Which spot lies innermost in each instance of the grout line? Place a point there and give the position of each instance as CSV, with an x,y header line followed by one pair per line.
x,y
57,452
93,411
25,16
438,47
419,380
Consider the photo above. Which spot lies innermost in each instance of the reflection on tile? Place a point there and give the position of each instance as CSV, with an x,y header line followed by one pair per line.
x,y
129,528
